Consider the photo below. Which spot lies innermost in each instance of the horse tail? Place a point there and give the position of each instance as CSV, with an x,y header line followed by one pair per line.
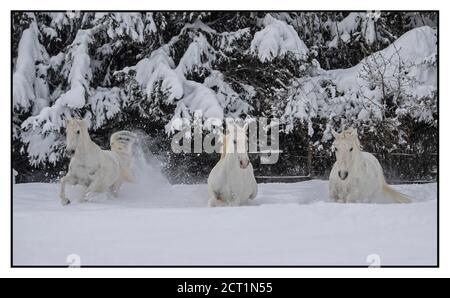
x,y
121,143
395,195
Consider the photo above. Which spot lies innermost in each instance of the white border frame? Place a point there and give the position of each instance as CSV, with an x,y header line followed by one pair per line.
x,y
5,151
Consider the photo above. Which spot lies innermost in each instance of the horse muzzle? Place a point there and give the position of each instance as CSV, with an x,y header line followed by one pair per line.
x,y
343,175
244,163
70,152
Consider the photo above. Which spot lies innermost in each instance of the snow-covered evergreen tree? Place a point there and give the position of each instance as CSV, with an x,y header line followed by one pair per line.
x,y
154,71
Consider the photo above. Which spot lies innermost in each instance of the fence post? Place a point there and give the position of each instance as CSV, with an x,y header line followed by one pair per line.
x,y
309,159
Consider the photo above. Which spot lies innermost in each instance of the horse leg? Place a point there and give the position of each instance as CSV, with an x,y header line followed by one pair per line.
x,y
62,194
235,202
334,194
216,202
212,197
94,186
215,199
351,198
212,202
114,189
254,192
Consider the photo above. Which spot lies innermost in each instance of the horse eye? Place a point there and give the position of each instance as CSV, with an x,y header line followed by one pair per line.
x,y
235,142
351,149
335,149
78,132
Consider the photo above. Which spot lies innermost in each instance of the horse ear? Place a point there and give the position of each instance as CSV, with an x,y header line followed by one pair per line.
x,y
354,132
334,133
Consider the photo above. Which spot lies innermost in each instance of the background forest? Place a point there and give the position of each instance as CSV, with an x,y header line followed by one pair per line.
x,y
315,71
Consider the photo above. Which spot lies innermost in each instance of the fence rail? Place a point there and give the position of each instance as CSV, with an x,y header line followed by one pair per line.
x,y
398,167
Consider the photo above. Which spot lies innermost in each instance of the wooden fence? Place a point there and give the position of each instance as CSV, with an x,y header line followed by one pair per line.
x,y
398,168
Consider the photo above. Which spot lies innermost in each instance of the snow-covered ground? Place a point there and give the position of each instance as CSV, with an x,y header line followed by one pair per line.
x,y
154,223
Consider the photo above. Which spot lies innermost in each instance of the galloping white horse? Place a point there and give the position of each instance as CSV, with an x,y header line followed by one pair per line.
x,y
357,176
99,170
231,182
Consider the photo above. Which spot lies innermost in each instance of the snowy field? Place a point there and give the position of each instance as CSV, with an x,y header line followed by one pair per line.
x,y
154,223
317,71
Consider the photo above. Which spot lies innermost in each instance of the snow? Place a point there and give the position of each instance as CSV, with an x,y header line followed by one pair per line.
x,y
355,94
150,26
130,24
415,44
59,19
345,28
50,32
79,75
199,54
407,67
301,105
348,27
198,25
80,72
159,67
83,84
136,26
56,61
276,40
190,97
105,104
154,223
229,100
43,147
200,100
41,131
412,47
229,39
28,88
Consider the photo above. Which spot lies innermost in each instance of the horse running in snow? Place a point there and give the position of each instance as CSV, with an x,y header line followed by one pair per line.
x,y
231,182
96,169
357,176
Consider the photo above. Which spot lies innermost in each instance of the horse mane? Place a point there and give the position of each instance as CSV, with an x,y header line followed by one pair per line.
x,y
224,146
348,134
85,136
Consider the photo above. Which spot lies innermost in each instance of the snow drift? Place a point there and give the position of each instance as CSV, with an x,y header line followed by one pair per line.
x,y
287,224
277,39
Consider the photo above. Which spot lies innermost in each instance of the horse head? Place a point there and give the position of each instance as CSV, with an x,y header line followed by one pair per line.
x,y
347,149
235,142
76,129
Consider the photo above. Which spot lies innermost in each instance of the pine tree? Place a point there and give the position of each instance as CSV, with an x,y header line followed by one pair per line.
x,y
154,71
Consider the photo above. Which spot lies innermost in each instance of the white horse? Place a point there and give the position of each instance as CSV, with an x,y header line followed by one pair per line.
x,y
357,176
231,182
96,169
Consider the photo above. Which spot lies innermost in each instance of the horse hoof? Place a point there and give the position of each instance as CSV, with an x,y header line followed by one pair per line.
x,y
88,197
65,202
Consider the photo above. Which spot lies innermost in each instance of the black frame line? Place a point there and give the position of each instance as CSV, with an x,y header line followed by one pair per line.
x,y
224,266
